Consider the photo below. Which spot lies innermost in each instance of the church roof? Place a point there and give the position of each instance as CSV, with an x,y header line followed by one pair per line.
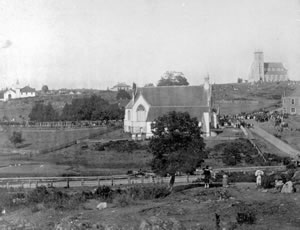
x,y
164,99
274,66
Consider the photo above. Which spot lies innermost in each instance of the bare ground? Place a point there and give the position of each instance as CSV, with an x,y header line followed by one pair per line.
x,y
188,209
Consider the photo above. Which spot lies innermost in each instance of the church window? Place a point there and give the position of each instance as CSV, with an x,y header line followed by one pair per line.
x,y
128,115
293,101
141,113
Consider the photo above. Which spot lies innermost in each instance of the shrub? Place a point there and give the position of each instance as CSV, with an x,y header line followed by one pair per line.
x,y
268,181
241,177
105,193
246,217
123,200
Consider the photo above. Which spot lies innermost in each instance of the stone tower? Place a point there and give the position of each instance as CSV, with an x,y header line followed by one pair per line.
x,y
258,66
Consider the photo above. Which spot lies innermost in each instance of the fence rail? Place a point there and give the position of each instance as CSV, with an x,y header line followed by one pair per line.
x,y
79,181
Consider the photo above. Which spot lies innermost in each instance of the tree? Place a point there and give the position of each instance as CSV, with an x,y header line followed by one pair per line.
x,y
16,138
45,89
239,80
172,78
176,145
123,94
149,85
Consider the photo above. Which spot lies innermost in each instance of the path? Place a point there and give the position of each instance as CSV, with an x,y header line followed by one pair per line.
x,y
284,147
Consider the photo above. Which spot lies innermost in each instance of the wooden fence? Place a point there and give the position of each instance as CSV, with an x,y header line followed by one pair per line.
x,y
33,182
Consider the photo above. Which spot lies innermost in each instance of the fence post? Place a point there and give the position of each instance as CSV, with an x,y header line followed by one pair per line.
x,y
68,182
7,185
37,184
188,178
112,181
142,179
98,182
129,180
82,182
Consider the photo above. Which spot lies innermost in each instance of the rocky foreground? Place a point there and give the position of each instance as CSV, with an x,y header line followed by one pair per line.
x,y
240,206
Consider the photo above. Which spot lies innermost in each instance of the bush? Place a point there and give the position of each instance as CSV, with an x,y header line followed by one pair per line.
x,y
268,181
105,193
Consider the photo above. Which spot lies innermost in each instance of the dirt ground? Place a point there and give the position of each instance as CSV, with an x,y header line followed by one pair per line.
x,y
194,208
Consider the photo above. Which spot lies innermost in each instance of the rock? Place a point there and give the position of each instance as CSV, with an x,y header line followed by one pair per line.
x,y
287,187
156,223
102,205
296,176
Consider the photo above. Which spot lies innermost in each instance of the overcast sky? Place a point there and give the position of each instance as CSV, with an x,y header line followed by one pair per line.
x,y
97,43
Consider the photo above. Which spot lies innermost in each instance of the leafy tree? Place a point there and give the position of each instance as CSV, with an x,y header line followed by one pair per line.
x,y
172,78
232,154
176,145
239,80
16,138
149,85
123,94
45,89
41,112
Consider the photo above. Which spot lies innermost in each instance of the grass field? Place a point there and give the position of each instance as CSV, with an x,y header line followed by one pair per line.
x,y
72,160
290,134
35,139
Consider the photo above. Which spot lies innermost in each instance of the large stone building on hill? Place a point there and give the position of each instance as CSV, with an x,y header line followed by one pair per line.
x,y
266,71
149,103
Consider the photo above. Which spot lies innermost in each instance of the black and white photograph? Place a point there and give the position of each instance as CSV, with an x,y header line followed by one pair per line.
x,y
149,114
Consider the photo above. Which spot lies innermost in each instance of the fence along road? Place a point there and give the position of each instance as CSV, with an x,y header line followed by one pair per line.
x,y
94,181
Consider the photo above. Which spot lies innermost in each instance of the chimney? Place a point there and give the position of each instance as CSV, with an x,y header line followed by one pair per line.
x,y
133,91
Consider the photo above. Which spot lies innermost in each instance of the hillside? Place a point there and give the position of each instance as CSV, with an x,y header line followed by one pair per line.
x,y
19,109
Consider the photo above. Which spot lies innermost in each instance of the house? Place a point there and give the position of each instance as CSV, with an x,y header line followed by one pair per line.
x,y
267,71
121,86
149,103
17,92
291,103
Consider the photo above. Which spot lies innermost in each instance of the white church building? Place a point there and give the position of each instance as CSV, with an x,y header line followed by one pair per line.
x,y
149,103
17,92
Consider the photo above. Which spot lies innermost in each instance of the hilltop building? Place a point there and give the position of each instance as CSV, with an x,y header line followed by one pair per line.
x,y
149,103
121,86
17,92
291,103
266,71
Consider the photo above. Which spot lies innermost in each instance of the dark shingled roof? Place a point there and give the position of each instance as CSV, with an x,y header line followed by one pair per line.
x,y
164,99
276,65
27,89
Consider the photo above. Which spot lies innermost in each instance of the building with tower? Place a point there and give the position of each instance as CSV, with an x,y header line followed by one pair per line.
x,y
266,71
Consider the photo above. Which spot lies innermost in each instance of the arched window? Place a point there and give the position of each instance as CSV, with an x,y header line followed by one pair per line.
x,y
141,113
128,115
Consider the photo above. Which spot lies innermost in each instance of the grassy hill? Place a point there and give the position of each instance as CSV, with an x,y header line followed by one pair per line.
x,y
18,109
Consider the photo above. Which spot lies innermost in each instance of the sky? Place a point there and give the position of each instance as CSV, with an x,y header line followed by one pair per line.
x,y
98,43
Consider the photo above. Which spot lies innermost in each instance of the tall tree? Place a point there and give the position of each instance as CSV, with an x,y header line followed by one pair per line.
x,y
45,89
176,145
172,78
123,94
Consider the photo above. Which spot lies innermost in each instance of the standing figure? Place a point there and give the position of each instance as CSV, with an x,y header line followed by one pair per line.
x,y
258,175
207,175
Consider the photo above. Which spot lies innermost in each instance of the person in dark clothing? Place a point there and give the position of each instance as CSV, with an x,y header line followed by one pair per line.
x,y
207,175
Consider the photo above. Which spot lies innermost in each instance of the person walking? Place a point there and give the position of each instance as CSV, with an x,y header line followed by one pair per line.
x,y
207,175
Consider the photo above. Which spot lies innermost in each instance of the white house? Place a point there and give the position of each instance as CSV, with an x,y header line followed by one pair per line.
x,y
17,92
149,103
121,86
